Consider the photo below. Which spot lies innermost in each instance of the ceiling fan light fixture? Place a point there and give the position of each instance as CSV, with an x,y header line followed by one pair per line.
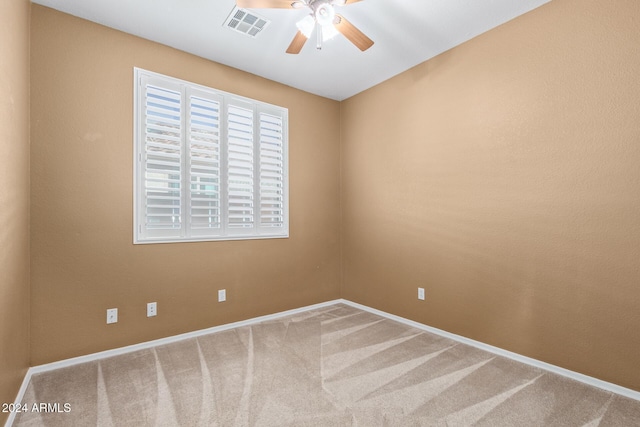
x,y
329,32
306,25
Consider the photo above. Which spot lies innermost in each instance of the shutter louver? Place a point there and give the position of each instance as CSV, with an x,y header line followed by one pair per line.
x,y
240,170
204,165
271,171
162,160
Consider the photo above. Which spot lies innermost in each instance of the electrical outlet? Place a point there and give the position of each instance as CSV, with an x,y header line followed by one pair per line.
x,y
222,295
421,294
112,315
152,309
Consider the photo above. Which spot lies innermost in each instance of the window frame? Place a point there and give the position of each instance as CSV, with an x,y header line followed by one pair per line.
x,y
259,228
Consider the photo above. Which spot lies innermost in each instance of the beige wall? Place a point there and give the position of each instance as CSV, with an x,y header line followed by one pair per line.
x,y
83,258
14,197
504,177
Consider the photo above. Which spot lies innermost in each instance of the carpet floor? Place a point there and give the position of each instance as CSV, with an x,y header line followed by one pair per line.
x,y
335,366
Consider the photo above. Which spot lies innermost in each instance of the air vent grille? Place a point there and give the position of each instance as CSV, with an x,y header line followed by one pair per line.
x,y
245,22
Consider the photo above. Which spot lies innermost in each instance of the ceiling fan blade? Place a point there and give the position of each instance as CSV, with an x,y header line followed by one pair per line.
x,y
296,45
266,4
354,35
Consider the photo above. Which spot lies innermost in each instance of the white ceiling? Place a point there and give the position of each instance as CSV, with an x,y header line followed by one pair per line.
x,y
405,32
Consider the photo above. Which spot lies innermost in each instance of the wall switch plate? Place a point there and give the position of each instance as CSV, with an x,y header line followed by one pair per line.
x,y
421,294
112,315
152,309
222,295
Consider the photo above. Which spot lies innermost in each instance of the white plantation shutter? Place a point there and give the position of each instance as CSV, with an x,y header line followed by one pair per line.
x,y
204,164
240,167
272,171
209,165
162,160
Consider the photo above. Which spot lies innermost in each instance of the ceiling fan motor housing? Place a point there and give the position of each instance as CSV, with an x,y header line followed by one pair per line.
x,y
325,14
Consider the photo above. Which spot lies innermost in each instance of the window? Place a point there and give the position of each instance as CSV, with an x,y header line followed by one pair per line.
x,y
208,165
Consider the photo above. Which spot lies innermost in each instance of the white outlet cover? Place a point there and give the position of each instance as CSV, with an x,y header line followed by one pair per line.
x,y
152,309
222,295
112,315
421,294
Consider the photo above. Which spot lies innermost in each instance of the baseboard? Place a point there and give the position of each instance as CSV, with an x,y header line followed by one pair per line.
x,y
595,382
604,385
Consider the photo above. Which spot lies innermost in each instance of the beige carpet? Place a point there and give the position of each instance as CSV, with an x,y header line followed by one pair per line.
x,y
336,366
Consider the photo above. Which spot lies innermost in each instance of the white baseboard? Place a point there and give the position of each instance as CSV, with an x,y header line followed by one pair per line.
x,y
614,388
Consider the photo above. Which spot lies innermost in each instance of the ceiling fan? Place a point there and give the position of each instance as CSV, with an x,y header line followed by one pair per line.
x,y
323,19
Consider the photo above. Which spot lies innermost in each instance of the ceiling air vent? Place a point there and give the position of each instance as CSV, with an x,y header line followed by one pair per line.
x,y
245,22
